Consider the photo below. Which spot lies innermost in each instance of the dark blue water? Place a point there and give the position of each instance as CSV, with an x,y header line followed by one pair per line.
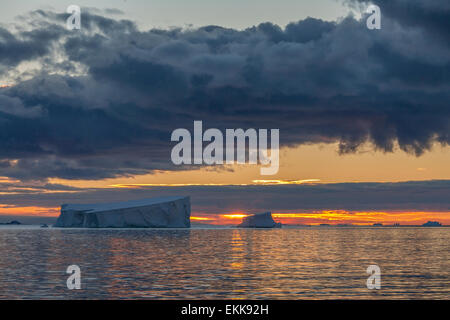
x,y
304,263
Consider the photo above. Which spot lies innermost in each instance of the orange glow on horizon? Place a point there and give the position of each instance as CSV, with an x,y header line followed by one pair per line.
x,y
141,185
201,218
336,217
273,182
253,182
234,216
331,217
6,210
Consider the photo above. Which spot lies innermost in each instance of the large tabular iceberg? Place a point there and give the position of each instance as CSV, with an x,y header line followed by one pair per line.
x,y
167,212
260,220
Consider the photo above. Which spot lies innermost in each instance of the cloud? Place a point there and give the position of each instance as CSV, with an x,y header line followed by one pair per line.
x,y
14,107
431,16
402,196
110,95
26,45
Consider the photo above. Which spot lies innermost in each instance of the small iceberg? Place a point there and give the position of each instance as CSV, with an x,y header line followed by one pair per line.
x,y
432,224
44,225
260,220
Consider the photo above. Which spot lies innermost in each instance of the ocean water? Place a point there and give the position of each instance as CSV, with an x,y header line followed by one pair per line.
x,y
302,263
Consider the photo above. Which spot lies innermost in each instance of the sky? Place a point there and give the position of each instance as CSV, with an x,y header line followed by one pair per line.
x,y
86,115
175,13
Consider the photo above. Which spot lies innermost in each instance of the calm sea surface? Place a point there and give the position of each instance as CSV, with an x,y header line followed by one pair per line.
x,y
303,263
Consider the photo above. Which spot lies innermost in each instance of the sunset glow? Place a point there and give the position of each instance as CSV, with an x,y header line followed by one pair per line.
x,y
332,217
272,182
335,217
200,219
234,216
28,211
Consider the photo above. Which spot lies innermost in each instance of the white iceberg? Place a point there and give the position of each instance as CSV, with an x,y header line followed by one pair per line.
x,y
167,212
260,220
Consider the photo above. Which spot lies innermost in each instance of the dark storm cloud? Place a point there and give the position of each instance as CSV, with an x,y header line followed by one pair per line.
x,y
25,46
109,108
433,16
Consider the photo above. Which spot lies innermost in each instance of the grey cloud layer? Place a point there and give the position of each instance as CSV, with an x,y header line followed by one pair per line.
x,y
404,196
109,109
